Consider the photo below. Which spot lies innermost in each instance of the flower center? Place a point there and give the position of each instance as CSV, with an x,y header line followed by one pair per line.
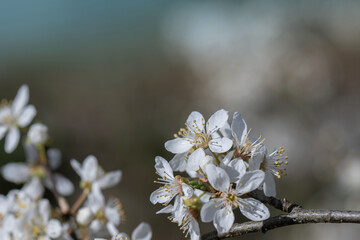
x,y
38,171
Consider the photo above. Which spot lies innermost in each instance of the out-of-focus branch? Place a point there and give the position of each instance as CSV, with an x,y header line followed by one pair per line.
x,y
297,215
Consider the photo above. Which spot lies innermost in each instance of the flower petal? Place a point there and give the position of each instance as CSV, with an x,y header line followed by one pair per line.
x,y
269,185
195,122
195,160
21,99
27,116
63,185
220,145
160,195
250,181
217,177
178,145
90,167
53,228
3,130
178,162
216,121
209,209
12,140
54,156
110,179
224,219
239,127
16,172
167,209
163,168
254,209
235,169
77,167
34,188
142,232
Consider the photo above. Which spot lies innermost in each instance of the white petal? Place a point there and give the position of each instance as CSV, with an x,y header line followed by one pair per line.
x,y
235,169
187,190
163,168
269,185
90,167
254,209
96,198
110,179
217,177
54,156
178,163
226,131
77,167
21,99
44,209
63,185
16,172
96,225
250,181
160,195
224,219
31,152
112,214
111,228
220,145
167,209
216,121
178,145
34,188
3,130
12,140
195,230
239,127
195,160
27,116
195,122
209,209
142,232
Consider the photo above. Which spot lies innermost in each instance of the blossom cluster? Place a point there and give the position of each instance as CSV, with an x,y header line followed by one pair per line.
x,y
218,165
26,214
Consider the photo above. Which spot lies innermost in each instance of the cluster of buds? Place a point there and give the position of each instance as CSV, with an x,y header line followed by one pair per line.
x,y
223,164
25,214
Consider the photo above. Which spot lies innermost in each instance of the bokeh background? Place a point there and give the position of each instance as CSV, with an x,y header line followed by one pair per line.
x,y
117,78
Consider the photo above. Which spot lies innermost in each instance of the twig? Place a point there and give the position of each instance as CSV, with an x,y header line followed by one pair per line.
x,y
297,215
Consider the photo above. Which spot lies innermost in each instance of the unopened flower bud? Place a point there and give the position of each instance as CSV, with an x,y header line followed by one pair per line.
x,y
84,216
38,134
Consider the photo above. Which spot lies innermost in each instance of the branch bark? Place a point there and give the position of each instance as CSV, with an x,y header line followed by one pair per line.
x,y
297,215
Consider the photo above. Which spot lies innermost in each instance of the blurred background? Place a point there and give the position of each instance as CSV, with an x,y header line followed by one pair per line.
x,y
117,78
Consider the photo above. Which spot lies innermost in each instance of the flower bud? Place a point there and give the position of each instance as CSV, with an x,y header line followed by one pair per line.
x,y
38,134
84,216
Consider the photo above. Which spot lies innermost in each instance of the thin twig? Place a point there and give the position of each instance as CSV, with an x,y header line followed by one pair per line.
x,y
297,215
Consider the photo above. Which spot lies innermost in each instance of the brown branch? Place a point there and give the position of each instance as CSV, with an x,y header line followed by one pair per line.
x,y
297,215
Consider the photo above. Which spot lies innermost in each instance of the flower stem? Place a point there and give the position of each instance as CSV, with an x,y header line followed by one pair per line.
x,y
79,201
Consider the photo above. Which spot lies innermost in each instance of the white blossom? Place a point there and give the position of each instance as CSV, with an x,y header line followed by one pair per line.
x,y
220,210
197,134
91,173
15,115
172,185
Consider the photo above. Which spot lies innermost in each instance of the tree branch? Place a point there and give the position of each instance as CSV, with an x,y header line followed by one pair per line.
x,y
297,215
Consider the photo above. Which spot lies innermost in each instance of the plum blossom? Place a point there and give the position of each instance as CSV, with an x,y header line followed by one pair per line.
x,y
91,173
172,185
273,164
220,210
198,135
14,115
244,147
